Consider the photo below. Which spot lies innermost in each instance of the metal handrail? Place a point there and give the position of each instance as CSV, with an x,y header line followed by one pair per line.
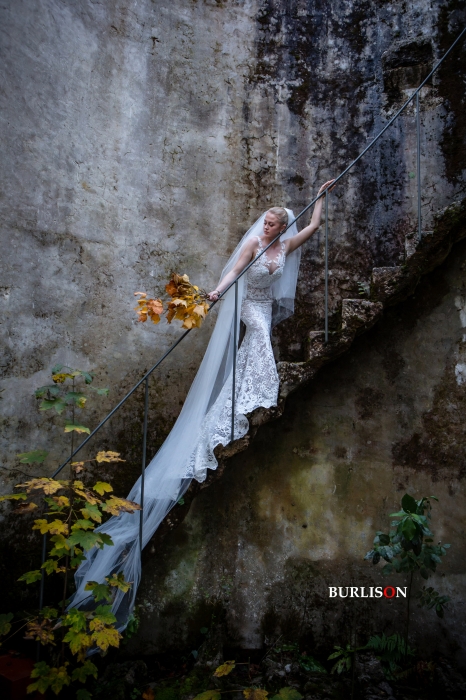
x,y
325,193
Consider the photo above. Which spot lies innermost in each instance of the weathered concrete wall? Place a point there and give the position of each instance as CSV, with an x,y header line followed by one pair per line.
x,y
143,137
297,512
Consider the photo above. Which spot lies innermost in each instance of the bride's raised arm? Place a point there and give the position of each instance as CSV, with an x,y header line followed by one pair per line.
x,y
246,256
302,236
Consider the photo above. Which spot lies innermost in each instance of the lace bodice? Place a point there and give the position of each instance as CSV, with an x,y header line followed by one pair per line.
x,y
260,279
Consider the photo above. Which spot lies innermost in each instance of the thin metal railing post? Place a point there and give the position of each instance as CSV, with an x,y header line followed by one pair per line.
x,y
42,587
418,156
235,350
143,467
326,266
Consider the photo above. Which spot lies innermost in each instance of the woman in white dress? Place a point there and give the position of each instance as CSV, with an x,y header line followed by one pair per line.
x,y
265,296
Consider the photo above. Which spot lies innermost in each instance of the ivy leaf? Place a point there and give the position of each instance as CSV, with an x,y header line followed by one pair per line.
x,y
31,576
5,626
69,427
224,669
104,636
101,487
31,457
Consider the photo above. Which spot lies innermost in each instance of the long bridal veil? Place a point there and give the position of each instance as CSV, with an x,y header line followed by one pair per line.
x,y
165,482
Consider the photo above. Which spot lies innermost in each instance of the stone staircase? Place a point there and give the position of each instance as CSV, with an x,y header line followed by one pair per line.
x,y
388,286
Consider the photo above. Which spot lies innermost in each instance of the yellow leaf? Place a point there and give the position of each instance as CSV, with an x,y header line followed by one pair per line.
x,y
62,501
140,294
104,636
224,669
101,487
200,310
41,525
69,427
208,695
40,631
56,527
148,694
88,496
108,457
255,694
115,506
60,378
48,486
25,508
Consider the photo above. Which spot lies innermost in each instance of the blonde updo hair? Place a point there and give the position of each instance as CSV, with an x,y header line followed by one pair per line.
x,y
280,213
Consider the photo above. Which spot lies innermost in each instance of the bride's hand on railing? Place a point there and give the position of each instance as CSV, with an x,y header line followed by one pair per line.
x,y
325,185
213,296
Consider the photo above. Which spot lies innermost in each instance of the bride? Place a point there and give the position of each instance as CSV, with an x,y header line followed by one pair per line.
x,y
265,294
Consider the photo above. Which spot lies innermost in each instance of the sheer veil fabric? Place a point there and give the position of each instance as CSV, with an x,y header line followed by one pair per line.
x,y
165,480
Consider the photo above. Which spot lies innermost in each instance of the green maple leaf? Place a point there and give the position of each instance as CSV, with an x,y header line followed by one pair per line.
x,y
92,512
31,457
31,576
83,525
82,672
100,591
104,614
77,640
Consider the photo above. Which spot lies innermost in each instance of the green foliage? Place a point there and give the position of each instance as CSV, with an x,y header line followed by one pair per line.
x,y
430,598
31,457
311,665
390,651
287,694
408,547
345,656
72,509
5,625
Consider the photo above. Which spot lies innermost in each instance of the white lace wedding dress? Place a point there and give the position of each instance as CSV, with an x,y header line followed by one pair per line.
x,y
256,373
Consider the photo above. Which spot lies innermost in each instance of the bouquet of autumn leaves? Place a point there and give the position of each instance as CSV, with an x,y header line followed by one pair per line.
x,y
187,303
